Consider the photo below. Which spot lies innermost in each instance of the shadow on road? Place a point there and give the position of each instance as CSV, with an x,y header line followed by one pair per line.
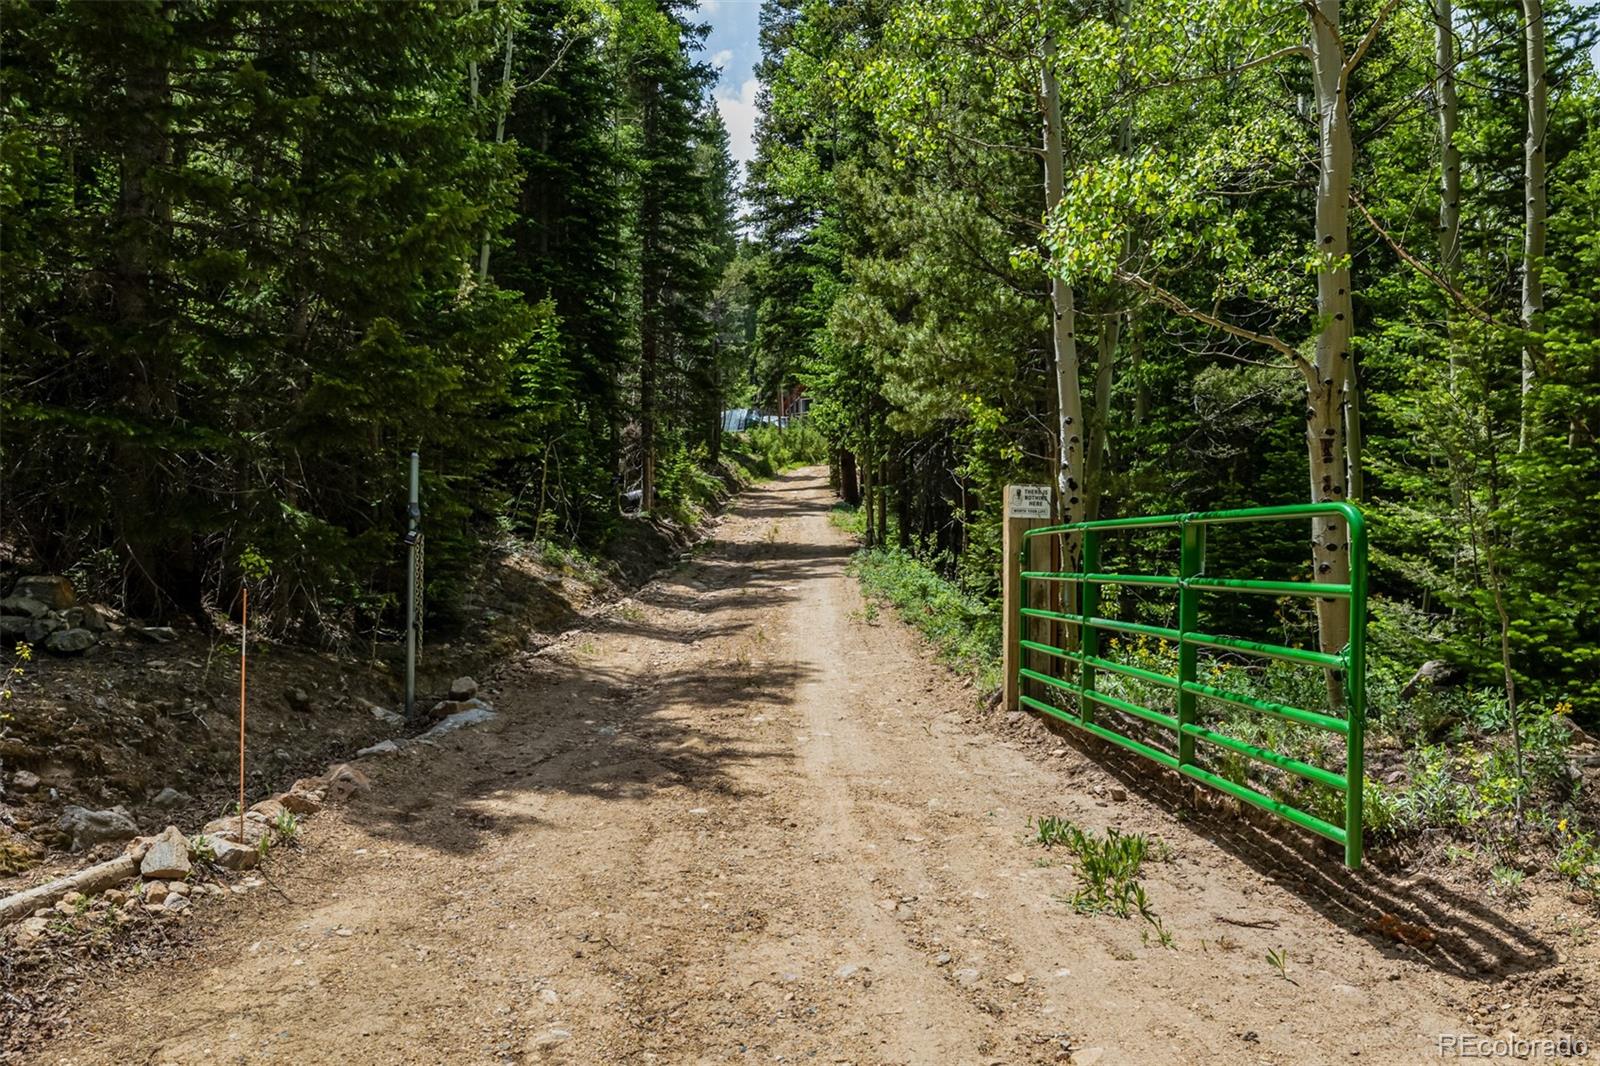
x,y
1411,917
584,720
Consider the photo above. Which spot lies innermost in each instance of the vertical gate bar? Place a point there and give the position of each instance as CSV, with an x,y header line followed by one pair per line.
x,y
1036,556
1022,619
1089,607
1191,562
1355,680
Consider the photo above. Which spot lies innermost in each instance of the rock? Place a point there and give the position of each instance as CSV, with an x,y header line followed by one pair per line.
x,y
178,904
98,618
114,897
14,627
343,781
229,828
182,888
40,628
445,708
69,642
1018,978
168,856
24,781
473,712
270,809
966,977
88,828
72,903
382,747
32,930
298,699
383,714
73,616
228,854
1088,1056
1433,672
1118,793
156,892
154,634
170,797
24,607
301,801
1575,734
54,591
463,688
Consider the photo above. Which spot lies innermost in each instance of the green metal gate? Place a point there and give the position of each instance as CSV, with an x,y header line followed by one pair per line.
x,y
1191,583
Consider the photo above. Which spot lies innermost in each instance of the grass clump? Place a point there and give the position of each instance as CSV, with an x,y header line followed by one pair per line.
x,y
1107,868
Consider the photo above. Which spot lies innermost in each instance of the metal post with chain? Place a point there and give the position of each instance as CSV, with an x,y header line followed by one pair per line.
x,y
413,543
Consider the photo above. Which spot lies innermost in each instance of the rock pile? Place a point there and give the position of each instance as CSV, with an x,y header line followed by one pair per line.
x,y
44,610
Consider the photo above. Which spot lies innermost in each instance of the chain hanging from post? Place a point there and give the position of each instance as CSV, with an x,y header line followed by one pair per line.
x,y
417,587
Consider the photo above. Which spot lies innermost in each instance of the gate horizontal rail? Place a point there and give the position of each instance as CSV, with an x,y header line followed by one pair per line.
x,y
1348,665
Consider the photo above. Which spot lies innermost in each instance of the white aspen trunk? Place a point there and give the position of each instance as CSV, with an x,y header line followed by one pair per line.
x,y
1444,90
1063,313
499,138
1534,192
1330,375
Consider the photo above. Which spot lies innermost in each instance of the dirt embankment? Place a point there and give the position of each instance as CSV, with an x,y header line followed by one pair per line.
x,y
734,820
146,720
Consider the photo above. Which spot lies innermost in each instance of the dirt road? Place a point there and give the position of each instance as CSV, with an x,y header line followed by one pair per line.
x,y
735,820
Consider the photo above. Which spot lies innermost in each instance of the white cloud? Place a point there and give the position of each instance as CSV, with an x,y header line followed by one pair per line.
x,y
720,60
739,115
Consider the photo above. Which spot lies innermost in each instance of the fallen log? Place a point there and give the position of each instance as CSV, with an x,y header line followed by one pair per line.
x,y
94,879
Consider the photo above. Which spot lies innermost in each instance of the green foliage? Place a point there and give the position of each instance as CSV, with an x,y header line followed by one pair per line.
x,y
963,628
770,450
1107,869
253,259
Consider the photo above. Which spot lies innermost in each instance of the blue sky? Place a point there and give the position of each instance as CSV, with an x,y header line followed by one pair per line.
x,y
734,48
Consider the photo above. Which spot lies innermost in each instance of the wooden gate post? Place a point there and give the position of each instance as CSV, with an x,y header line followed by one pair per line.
x,y
1027,507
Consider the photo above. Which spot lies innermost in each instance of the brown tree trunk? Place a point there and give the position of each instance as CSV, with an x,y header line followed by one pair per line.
x,y
883,500
866,496
849,486
146,368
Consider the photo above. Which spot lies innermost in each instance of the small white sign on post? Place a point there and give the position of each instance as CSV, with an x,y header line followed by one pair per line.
x,y
1028,501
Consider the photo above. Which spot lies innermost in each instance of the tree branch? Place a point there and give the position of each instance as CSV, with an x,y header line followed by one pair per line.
x,y
1366,42
1258,61
1173,303
1455,294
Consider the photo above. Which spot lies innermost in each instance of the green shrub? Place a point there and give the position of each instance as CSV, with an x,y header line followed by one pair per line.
x,y
964,629
769,450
